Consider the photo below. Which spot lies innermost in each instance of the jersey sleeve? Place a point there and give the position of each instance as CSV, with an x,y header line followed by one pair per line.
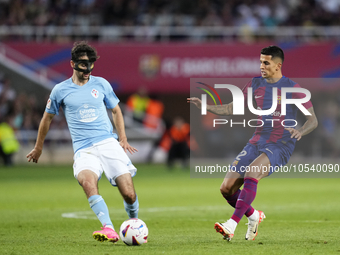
x,y
53,103
110,99
308,104
245,92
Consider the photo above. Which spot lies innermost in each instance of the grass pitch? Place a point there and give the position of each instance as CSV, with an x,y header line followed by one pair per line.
x,y
43,210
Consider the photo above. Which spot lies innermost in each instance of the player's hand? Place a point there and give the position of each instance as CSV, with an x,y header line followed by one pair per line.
x,y
127,147
196,101
294,133
34,155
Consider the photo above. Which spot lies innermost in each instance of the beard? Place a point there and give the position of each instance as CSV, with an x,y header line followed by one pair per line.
x,y
81,76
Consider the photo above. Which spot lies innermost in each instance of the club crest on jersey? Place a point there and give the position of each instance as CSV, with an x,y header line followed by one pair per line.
x,y
95,93
278,99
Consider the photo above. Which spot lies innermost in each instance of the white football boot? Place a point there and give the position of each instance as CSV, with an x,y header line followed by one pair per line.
x,y
226,229
253,225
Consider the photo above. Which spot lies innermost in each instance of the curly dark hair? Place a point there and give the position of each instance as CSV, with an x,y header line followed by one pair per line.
x,y
81,49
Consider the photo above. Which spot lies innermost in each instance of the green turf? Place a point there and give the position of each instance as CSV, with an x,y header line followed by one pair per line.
x,y
302,214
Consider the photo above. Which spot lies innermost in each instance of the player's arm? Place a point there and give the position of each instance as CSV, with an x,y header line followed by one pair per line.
x,y
310,124
118,121
225,109
44,126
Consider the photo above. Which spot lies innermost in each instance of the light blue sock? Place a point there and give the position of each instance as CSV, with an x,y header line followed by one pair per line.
x,y
132,210
99,207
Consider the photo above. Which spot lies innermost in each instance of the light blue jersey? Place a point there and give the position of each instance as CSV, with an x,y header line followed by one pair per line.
x,y
85,109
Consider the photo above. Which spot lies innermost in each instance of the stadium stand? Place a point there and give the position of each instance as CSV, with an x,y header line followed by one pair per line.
x,y
140,21
164,20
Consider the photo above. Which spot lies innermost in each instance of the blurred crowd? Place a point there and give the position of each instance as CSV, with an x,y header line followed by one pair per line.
x,y
23,111
253,13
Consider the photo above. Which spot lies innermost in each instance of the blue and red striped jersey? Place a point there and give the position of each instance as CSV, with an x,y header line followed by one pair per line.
x,y
272,129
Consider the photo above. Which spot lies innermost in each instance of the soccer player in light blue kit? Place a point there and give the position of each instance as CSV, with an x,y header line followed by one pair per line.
x,y
84,99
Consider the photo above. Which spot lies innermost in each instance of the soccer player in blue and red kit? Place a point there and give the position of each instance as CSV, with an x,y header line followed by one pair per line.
x,y
85,99
271,145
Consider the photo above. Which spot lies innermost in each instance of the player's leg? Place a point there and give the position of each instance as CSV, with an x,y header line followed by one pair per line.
x,y
88,180
272,155
251,179
247,195
7,158
184,153
87,170
231,184
119,171
230,188
125,185
172,154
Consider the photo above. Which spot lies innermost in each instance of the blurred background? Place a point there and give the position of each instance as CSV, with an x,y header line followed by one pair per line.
x,y
149,51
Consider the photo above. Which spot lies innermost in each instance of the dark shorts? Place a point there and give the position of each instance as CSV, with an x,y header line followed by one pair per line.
x,y
278,154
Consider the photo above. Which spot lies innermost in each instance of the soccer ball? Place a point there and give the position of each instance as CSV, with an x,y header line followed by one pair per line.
x,y
133,232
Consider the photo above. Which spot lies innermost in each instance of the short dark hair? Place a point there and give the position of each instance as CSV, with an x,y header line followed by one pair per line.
x,y
81,49
274,51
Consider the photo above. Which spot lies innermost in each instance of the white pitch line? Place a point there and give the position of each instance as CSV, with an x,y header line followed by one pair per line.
x,y
78,215
309,221
90,214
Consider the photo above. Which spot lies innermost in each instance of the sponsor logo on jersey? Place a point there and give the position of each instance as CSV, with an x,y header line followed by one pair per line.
x,y
87,113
